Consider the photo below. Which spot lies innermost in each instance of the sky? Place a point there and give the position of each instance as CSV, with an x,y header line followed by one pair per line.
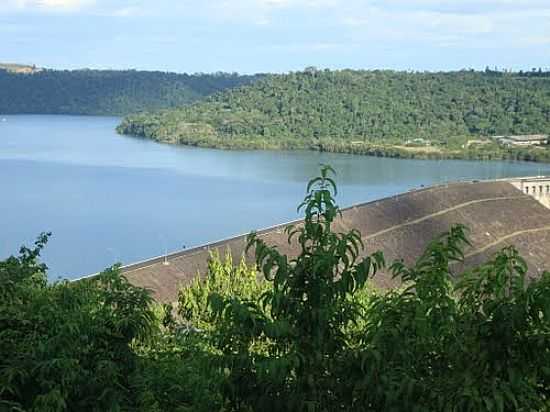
x,y
250,36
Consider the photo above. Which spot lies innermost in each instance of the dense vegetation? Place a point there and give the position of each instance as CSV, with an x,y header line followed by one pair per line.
x,y
307,335
369,112
107,92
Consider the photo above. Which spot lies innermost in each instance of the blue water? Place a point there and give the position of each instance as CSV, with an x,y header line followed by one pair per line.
x,y
109,198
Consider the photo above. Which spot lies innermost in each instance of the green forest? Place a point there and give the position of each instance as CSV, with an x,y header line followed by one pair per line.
x,y
299,334
107,92
369,112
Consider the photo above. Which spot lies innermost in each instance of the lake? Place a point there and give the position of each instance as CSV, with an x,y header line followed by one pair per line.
x,y
108,198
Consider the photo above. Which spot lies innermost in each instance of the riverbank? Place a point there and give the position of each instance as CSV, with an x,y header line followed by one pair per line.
x,y
392,150
454,115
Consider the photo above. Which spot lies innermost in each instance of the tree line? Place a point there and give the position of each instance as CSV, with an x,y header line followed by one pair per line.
x,y
107,92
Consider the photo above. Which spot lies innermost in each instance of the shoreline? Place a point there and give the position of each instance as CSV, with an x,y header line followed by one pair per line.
x,y
357,148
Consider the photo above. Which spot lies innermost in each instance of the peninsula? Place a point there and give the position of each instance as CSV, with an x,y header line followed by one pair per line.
x,y
460,114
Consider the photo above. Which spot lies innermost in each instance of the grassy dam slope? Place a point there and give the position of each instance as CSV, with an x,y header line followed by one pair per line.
x,y
498,213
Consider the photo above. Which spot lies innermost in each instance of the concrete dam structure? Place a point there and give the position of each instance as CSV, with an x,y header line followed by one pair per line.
x,y
498,213
537,187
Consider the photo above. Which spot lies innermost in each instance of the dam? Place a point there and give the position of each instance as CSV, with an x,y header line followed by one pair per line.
x,y
497,213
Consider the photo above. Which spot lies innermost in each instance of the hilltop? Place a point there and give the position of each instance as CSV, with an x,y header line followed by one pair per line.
x,y
26,89
373,112
20,68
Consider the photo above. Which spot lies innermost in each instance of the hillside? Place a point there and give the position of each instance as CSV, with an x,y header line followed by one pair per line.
x,y
105,92
362,112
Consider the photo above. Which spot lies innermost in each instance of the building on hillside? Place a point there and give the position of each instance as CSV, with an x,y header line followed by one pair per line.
x,y
476,142
523,140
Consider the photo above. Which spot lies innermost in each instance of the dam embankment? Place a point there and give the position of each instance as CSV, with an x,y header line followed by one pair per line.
x,y
497,213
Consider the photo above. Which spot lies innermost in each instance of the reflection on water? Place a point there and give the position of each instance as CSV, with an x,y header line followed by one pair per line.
x,y
111,198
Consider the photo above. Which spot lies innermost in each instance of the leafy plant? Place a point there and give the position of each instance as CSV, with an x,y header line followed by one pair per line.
x,y
446,341
67,346
479,343
302,316
222,278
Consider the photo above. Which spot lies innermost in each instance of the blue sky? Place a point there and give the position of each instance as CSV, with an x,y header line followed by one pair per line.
x,y
276,35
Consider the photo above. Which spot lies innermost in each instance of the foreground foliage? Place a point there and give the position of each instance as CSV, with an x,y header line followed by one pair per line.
x,y
67,346
480,344
92,345
307,333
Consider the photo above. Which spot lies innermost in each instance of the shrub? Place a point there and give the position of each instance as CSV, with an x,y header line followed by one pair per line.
x,y
223,279
482,343
283,351
67,346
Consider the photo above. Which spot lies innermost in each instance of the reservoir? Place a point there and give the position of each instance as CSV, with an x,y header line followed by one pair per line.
x,y
108,198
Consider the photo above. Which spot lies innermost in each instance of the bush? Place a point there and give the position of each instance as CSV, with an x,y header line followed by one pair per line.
x,y
223,279
93,345
482,343
284,350
67,346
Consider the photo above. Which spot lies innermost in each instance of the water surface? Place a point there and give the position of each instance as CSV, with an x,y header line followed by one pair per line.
x,y
110,198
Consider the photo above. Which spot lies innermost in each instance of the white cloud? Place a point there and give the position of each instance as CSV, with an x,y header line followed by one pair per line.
x,y
14,28
534,41
62,4
437,22
420,21
316,47
130,11
45,5
455,23
258,12
475,24
444,23
252,9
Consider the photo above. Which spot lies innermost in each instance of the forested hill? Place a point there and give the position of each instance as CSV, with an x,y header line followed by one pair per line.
x,y
107,92
315,107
